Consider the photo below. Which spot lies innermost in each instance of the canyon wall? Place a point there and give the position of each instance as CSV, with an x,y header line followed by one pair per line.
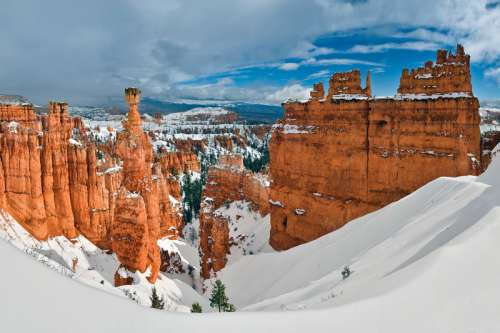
x,y
52,183
337,158
226,182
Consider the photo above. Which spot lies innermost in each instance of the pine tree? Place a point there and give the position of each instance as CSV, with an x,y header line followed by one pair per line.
x,y
230,308
219,299
157,302
346,272
196,308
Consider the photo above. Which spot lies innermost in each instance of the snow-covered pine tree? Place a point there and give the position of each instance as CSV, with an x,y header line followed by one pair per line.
x,y
157,302
219,299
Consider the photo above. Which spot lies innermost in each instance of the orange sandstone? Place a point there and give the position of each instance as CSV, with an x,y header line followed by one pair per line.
x,y
338,158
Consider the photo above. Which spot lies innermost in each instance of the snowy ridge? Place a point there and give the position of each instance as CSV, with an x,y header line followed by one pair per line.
x,y
82,261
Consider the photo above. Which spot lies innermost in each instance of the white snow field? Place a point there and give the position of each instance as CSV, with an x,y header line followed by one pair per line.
x,y
427,263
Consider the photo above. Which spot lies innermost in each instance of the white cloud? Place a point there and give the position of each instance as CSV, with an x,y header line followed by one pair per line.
x,y
493,73
376,48
340,61
319,75
295,91
289,66
95,48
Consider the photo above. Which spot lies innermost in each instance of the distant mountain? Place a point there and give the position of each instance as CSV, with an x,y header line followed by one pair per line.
x,y
260,113
13,99
490,104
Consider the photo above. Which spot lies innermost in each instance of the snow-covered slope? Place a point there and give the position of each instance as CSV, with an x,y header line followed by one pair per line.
x,y
82,261
427,263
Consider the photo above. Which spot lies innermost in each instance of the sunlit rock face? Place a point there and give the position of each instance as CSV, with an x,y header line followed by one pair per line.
x,y
226,182
136,224
338,157
52,182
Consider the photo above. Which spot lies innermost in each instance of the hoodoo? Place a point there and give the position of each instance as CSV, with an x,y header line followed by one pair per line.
x,y
227,181
136,225
337,158
52,183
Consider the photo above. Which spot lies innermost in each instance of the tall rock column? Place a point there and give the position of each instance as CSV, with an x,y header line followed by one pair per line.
x,y
57,127
136,226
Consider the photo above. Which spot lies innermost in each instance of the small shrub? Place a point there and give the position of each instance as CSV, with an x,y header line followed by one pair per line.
x,y
196,308
346,272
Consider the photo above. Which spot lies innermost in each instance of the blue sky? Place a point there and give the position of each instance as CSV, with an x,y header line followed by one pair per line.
x,y
240,50
382,54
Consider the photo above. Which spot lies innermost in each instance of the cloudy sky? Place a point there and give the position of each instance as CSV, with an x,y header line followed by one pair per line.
x,y
86,52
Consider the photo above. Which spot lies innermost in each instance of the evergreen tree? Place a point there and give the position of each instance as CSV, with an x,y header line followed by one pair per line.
x,y
196,308
230,308
219,299
157,302
346,272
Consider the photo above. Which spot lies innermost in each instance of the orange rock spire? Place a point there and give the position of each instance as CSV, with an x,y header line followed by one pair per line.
x,y
133,98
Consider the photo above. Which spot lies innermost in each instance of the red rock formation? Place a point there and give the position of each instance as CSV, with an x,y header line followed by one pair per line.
x,y
337,159
57,126
348,83
136,227
170,209
318,91
451,74
53,184
226,182
20,113
180,161
22,178
255,189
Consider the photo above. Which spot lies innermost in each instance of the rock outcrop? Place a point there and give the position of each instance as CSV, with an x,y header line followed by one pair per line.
x,y
53,183
337,158
136,226
226,182
180,161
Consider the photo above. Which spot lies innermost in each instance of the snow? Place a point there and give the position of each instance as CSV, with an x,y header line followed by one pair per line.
x,y
300,211
431,96
133,195
74,142
349,97
82,261
114,169
13,126
208,112
423,76
248,230
276,203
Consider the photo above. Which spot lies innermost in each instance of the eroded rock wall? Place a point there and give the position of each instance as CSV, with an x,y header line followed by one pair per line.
x,y
52,182
338,158
226,182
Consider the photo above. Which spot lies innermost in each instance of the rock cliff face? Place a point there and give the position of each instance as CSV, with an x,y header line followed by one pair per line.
x,y
53,183
226,182
180,161
337,158
136,224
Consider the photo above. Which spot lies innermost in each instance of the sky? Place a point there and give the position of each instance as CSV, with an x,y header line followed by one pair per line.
x,y
262,51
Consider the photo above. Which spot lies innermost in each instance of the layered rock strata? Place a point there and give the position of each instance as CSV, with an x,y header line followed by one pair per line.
x,y
226,182
53,182
337,158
